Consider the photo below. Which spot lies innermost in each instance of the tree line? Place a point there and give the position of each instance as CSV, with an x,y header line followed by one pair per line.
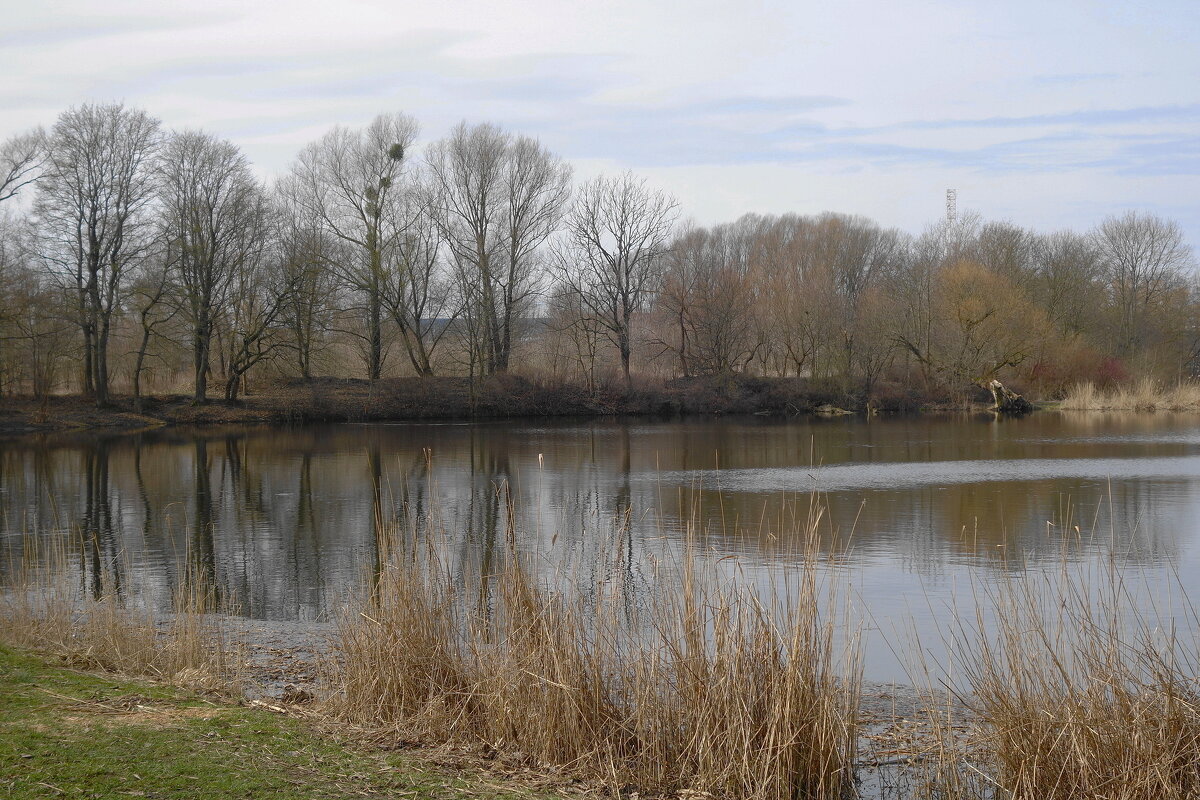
x,y
135,255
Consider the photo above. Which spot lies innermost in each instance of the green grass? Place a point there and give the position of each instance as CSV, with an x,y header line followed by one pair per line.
x,y
75,735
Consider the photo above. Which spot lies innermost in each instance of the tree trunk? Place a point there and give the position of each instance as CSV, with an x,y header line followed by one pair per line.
x,y
375,332
623,345
89,347
683,347
304,351
101,362
137,370
202,345
1007,401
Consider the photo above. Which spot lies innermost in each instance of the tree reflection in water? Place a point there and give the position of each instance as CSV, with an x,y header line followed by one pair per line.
x,y
283,524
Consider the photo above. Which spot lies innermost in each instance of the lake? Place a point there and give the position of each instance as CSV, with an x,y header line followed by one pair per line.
x,y
916,513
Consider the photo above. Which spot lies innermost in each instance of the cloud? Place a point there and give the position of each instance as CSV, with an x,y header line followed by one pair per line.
x,y
86,28
1089,117
999,94
1171,156
783,130
1074,79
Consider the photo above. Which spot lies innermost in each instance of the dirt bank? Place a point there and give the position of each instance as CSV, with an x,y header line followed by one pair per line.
x,y
415,399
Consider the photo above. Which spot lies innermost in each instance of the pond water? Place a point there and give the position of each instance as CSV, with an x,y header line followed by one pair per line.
x,y
915,512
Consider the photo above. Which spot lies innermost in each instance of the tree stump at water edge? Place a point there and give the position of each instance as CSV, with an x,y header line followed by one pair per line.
x,y
1008,402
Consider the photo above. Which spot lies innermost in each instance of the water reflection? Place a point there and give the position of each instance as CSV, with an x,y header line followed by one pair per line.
x,y
283,523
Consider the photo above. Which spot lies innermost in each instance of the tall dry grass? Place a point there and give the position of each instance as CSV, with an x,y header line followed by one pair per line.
x,y
1145,395
44,608
704,687
1077,689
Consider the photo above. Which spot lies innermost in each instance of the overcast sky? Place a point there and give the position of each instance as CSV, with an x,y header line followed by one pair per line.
x,y
1048,113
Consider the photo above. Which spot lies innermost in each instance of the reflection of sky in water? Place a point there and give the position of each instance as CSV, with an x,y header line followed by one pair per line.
x,y
914,511
845,477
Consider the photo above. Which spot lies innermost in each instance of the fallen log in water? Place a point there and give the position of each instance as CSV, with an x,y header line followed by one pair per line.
x,y
1008,401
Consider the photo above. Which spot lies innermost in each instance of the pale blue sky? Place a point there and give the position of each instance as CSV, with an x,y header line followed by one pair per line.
x,y
1050,114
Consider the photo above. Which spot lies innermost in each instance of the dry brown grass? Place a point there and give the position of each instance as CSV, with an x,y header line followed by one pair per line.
x,y
1145,395
1075,693
43,608
703,688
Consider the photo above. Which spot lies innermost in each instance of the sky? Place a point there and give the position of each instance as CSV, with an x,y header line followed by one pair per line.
x,y
1049,114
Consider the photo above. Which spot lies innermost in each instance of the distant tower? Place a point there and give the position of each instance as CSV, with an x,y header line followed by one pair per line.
x,y
951,206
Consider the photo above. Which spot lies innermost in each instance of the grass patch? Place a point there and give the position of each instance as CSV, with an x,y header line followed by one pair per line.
x,y
69,734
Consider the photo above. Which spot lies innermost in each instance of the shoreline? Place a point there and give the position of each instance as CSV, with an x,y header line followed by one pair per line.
x,y
334,400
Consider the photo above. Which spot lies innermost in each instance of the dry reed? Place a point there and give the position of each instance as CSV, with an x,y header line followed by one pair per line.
x,y
1075,693
1145,395
703,688
45,609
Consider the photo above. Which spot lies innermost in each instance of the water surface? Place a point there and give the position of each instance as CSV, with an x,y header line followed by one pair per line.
x,y
915,512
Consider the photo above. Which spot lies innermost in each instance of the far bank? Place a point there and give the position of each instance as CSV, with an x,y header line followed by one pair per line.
x,y
297,401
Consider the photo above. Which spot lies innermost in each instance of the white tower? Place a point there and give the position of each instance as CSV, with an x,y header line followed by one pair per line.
x,y
951,206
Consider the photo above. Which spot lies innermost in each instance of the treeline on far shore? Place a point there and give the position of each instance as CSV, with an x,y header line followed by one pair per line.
x,y
138,261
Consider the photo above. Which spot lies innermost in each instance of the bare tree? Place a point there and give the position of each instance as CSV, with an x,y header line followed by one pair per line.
x,y
352,182
617,233
306,251
707,294
914,283
573,320
214,219
12,273
148,302
1144,257
848,257
1009,251
254,329
21,160
1069,282
92,210
784,277
422,298
675,299
33,329
496,201
723,319
35,324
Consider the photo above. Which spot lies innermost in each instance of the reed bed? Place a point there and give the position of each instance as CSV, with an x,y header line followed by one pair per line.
x,y
44,608
702,688
1145,395
1076,691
